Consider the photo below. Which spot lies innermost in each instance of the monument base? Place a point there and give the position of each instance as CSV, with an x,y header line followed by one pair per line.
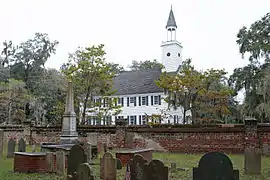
x,y
68,139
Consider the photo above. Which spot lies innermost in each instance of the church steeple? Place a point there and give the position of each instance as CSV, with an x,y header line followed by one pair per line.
x,y
171,27
171,24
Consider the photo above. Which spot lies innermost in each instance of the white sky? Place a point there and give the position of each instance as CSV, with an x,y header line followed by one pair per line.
x,y
134,30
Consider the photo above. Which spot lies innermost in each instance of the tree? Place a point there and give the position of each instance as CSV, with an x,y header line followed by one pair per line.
x,y
253,78
145,65
205,94
92,77
13,97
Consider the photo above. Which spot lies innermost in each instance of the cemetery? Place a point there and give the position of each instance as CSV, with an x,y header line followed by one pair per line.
x,y
75,157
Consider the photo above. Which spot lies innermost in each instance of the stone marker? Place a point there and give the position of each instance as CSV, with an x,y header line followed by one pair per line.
x,y
213,166
156,171
1,142
118,164
49,161
252,161
266,149
173,167
21,145
108,167
88,151
76,157
11,148
137,168
34,148
92,138
60,162
84,172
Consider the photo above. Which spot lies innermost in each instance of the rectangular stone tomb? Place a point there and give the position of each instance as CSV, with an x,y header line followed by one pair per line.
x,y
125,155
30,162
55,147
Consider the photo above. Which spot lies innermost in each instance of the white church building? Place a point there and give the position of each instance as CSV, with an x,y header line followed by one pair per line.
x,y
137,93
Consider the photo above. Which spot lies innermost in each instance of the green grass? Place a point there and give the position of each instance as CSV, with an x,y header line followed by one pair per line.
x,y
185,162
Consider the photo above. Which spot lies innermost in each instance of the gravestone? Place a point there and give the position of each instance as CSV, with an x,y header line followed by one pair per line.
x,y
11,148
84,172
137,168
49,161
156,170
252,161
108,167
34,148
21,145
60,162
129,140
173,167
88,151
213,166
92,138
266,149
1,143
76,157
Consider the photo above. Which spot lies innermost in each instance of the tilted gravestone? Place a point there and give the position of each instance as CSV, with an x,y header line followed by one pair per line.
x,y
137,168
76,157
21,145
84,172
60,162
49,161
156,170
213,166
11,148
108,167
253,158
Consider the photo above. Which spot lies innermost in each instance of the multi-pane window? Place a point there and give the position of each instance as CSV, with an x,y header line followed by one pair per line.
x,y
156,99
132,120
144,121
144,100
131,99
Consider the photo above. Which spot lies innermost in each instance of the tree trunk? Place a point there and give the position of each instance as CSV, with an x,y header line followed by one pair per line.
x,y
85,105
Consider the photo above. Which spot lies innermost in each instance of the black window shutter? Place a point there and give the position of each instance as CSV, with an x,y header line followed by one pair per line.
x,y
159,100
116,102
135,119
128,119
139,100
152,100
146,99
140,120
104,102
174,118
135,103
122,101
127,101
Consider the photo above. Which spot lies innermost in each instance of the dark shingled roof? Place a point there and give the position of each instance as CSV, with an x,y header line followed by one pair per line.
x,y
137,82
171,20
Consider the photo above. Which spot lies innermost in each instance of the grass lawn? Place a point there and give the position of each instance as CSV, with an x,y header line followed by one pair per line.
x,y
185,162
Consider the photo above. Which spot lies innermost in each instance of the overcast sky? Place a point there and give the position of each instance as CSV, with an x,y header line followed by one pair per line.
x,y
134,30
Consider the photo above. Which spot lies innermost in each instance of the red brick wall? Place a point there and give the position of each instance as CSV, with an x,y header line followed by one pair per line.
x,y
32,164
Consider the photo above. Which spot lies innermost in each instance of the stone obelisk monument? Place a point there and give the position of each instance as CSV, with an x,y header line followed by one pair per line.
x,y
69,130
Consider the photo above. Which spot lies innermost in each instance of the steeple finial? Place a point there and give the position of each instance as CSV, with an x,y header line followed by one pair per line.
x,y
171,21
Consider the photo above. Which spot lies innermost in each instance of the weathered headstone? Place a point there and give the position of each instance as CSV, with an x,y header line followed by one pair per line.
x,y
49,161
11,148
1,142
252,161
92,138
84,172
21,145
108,167
213,166
60,162
266,149
129,140
118,164
156,170
173,167
34,148
88,151
137,168
76,157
